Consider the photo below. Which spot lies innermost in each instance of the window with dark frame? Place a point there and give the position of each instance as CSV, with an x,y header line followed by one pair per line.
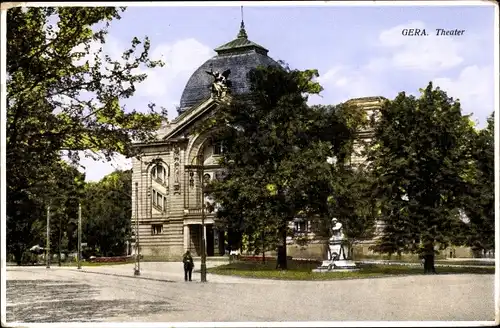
x,y
218,148
159,200
156,229
301,226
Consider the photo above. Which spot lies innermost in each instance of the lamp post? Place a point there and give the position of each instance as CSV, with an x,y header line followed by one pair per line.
x,y
137,267
47,247
199,167
79,236
201,173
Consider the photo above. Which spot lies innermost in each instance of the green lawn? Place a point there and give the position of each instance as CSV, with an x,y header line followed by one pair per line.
x,y
447,262
302,271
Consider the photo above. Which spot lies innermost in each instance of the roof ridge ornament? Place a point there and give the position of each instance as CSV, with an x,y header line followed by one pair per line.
x,y
243,33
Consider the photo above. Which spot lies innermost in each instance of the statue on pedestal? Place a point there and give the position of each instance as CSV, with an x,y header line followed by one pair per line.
x,y
337,256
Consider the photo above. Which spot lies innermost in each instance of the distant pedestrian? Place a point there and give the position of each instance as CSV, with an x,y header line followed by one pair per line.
x,y
187,259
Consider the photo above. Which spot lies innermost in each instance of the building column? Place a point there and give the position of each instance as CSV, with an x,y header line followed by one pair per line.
x,y
186,237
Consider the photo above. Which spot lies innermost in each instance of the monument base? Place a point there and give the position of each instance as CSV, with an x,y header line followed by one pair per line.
x,y
337,266
344,264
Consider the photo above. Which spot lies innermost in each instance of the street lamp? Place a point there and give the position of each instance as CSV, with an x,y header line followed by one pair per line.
x,y
47,248
137,266
200,169
201,173
79,236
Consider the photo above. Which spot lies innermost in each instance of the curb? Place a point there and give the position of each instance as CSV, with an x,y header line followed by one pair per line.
x,y
126,276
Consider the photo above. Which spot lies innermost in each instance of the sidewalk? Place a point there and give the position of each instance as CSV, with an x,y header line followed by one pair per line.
x,y
165,271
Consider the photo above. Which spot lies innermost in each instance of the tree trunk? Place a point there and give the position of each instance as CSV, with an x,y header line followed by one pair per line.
x,y
285,262
59,244
429,266
263,249
281,258
18,253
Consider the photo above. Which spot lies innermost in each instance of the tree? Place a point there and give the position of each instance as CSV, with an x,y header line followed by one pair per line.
x,y
275,151
64,95
106,213
479,201
28,227
421,160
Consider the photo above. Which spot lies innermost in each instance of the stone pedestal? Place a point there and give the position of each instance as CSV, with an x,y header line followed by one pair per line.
x,y
344,264
337,261
337,266
337,257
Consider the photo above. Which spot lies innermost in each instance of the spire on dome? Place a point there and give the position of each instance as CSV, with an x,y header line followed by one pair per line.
x,y
241,43
243,33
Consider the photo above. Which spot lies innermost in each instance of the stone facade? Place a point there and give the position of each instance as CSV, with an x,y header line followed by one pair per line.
x,y
167,190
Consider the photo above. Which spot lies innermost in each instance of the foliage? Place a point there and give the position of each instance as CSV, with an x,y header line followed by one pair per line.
x,y
352,202
106,214
479,201
27,227
422,164
63,94
275,152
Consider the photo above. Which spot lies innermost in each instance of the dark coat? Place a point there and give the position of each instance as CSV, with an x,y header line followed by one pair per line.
x,y
187,259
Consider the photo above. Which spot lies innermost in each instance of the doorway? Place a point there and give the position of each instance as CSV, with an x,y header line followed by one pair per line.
x,y
210,240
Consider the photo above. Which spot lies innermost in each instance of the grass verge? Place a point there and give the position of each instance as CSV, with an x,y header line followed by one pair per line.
x,y
94,264
444,262
302,271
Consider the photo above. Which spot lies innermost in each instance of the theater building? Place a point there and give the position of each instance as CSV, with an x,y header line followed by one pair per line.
x,y
168,198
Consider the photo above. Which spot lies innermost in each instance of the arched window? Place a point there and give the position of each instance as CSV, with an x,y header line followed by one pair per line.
x,y
159,173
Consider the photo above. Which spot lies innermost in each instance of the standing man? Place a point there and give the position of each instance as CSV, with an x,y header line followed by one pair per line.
x,y
187,259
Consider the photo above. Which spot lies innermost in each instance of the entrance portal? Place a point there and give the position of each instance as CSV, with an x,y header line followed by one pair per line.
x,y
214,240
210,240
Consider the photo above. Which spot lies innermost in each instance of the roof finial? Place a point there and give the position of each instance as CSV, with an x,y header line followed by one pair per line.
x,y
242,34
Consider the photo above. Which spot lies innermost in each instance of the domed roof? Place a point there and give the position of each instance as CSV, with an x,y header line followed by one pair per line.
x,y
239,55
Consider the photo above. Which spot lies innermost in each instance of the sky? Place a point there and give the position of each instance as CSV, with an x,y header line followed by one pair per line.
x,y
359,51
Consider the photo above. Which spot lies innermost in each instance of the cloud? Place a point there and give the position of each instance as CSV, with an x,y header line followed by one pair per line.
x,y
428,53
96,170
407,63
96,167
345,82
473,87
163,85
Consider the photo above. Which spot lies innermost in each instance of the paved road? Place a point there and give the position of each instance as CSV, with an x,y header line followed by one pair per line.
x,y
35,294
